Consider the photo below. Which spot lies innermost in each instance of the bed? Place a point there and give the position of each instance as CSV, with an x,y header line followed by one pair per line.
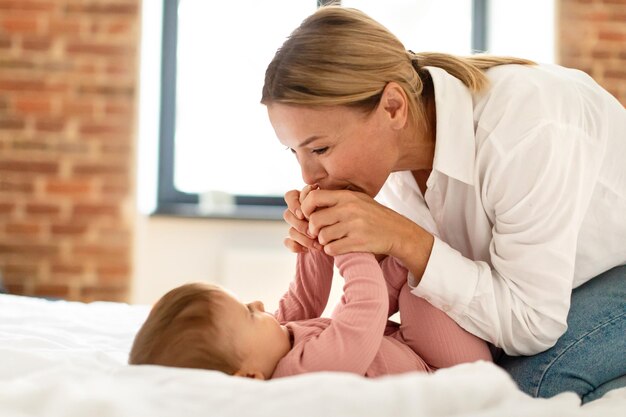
x,y
62,358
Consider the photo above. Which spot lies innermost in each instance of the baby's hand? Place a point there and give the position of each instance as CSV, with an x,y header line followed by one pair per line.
x,y
299,240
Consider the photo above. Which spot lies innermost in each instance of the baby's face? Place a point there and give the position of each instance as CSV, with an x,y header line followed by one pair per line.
x,y
257,336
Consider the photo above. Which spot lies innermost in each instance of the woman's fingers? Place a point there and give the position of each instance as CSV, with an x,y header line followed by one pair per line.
x,y
322,198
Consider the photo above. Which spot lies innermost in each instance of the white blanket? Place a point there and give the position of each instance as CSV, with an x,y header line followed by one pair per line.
x,y
69,359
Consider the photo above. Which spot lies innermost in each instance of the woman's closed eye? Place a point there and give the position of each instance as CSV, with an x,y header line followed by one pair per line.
x,y
320,151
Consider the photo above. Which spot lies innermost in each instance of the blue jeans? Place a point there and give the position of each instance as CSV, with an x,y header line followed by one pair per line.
x,y
590,358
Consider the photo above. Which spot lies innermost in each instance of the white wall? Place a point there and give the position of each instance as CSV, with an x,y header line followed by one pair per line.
x,y
246,257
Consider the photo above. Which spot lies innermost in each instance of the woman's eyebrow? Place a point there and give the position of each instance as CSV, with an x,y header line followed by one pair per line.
x,y
307,141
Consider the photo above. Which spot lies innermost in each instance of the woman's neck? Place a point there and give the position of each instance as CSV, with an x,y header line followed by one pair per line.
x,y
417,144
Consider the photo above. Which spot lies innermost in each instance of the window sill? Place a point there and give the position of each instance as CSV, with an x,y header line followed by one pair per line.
x,y
231,212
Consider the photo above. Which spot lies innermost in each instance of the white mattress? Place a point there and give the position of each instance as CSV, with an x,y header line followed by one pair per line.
x,y
69,359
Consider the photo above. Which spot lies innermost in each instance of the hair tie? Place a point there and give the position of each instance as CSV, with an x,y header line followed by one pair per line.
x,y
414,60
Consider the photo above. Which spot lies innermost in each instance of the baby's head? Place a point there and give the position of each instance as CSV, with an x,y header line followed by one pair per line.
x,y
203,326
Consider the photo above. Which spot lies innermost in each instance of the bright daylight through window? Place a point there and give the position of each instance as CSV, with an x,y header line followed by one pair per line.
x,y
224,141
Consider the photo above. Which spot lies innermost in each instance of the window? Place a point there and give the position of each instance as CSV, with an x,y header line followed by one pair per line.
x,y
218,155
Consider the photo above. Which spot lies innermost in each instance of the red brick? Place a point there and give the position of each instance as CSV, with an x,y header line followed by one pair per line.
x,y
100,293
29,167
15,24
98,49
113,273
18,272
95,210
17,288
117,148
123,108
33,249
615,74
32,105
64,26
606,35
75,107
7,208
5,42
68,229
28,5
30,85
42,209
23,228
115,190
103,129
51,290
68,187
17,65
16,186
102,251
12,124
100,169
106,90
50,125
36,44
66,269
106,8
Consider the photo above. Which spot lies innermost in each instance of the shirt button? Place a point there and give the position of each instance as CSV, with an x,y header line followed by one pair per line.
x,y
445,307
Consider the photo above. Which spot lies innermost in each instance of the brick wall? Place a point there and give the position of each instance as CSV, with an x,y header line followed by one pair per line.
x,y
67,119
592,37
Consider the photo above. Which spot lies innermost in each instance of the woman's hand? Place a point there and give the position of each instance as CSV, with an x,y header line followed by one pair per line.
x,y
298,240
347,221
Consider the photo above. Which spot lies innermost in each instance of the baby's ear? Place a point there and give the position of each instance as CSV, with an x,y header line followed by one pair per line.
x,y
253,375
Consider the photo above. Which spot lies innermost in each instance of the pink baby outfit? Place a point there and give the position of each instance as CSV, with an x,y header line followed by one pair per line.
x,y
358,338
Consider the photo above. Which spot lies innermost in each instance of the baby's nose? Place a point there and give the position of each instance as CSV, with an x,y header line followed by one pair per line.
x,y
258,305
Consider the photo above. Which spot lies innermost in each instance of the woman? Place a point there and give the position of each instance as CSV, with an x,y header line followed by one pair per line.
x,y
500,184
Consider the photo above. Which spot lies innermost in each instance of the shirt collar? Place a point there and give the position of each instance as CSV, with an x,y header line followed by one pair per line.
x,y
455,147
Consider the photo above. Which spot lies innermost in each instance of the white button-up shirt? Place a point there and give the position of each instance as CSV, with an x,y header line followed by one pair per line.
x,y
526,199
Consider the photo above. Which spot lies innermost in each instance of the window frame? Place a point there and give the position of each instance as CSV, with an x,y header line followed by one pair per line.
x,y
170,200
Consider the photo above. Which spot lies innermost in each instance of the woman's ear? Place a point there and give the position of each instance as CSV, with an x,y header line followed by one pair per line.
x,y
394,104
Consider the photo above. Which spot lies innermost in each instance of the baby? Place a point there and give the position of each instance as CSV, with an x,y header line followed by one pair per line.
x,y
205,326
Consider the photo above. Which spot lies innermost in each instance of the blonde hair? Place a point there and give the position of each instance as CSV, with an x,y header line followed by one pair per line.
x,y
181,331
341,56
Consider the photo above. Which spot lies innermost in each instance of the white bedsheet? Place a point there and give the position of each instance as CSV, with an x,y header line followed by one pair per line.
x,y
69,359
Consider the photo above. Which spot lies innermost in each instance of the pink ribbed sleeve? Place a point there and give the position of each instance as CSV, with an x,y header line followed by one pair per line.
x,y
308,293
353,338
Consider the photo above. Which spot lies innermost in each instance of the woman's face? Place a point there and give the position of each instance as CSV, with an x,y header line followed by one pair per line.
x,y
337,147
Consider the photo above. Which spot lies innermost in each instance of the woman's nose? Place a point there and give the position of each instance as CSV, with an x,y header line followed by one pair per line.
x,y
312,172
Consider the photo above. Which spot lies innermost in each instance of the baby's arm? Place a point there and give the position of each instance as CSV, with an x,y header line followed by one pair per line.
x,y
308,293
352,340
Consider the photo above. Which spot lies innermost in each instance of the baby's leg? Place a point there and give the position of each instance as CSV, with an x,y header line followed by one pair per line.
x,y
434,336
395,278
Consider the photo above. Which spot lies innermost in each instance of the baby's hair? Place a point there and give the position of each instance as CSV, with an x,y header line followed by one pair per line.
x,y
182,331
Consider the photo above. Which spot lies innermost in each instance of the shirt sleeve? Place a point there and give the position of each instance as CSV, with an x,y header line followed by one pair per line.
x,y
308,293
353,338
536,195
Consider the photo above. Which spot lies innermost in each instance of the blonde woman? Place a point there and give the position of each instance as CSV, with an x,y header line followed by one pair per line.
x,y
500,184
